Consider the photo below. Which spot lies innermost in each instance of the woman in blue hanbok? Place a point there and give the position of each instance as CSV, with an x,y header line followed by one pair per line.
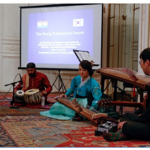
x,y
84,88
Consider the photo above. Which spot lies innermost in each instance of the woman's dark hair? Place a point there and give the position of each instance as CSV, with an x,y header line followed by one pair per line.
x,y
85,64
145,54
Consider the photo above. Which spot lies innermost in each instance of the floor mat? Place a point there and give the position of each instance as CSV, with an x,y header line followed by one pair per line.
x,y
6,102
39,131
5,110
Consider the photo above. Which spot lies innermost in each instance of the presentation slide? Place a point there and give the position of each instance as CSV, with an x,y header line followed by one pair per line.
x,y
50,34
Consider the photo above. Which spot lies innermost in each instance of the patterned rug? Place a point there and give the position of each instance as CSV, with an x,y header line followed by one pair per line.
x,y
24,127
5,110
39,131
22,110
5,101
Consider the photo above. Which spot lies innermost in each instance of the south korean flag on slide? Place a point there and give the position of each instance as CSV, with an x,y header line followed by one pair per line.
x,y
77,22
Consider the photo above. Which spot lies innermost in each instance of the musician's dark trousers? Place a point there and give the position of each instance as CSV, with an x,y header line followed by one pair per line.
x,y
135,127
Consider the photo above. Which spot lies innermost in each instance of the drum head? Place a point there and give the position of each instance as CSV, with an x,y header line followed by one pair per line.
x,y
20,93
31,91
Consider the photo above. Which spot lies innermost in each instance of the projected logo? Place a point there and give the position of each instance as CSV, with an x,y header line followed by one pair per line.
x,y
42,24
77,22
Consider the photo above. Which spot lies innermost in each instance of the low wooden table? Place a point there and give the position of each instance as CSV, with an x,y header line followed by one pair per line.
x,y
125,75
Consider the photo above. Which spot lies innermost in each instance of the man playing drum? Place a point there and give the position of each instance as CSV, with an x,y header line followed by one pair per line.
x,y
35,80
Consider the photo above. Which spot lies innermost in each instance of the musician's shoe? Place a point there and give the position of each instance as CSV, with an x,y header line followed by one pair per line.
x,y
112,136
79,118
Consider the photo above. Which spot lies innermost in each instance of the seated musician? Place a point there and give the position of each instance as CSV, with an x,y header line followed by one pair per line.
x,y
84,88
35,80
133,125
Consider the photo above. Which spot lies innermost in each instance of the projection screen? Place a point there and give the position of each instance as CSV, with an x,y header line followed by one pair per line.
x,y
50,33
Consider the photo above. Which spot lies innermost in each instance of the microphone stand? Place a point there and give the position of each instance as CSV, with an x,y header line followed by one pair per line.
x,y
13,99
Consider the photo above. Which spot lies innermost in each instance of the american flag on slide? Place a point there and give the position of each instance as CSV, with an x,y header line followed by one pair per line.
x,y
77,22
42,24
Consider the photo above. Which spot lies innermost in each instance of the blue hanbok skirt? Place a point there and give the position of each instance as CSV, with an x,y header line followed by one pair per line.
x,y
62,112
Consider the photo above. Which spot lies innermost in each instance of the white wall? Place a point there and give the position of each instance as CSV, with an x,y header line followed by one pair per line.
x,y
9,45
143,30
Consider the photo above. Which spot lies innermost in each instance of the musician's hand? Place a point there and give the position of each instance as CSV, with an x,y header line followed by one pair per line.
x,y
44,92
79,109
120,124
62,95
139,114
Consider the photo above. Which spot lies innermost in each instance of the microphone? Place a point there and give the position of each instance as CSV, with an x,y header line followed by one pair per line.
x,y
21,81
